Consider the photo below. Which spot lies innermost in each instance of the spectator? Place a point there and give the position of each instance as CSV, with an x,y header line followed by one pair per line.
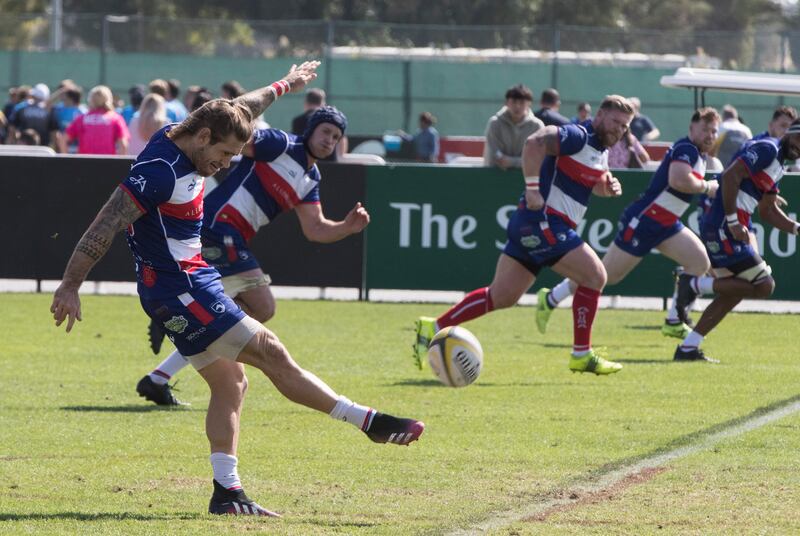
x,y
627,153
101,130
550,104
3,127
150,118
584,113
732,134
23,99
201,98
65,113
29,137
315,98
173,103
161,88
189,96
35,116
231,89
508,129
135,96
13,100
426,139
642,126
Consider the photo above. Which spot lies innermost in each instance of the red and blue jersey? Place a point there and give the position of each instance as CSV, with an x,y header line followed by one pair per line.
x,y
567,179
762,158
165,240
660,201
258,189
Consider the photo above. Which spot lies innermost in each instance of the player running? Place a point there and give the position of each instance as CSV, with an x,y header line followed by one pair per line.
x,y
750,182
653,220
161,205
572,161
278,173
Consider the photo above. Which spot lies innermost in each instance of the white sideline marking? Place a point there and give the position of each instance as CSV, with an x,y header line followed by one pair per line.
x,y
611,478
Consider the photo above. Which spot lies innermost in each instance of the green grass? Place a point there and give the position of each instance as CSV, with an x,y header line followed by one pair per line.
x,y
81,453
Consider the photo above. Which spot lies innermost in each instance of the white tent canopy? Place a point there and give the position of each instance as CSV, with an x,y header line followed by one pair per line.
x,y
703,79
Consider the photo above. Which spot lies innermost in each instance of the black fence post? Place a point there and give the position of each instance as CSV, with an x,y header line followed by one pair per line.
x,y
407,95
554,63
329,58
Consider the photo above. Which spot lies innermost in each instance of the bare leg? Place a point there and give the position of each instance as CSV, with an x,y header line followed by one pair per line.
x,y
228,385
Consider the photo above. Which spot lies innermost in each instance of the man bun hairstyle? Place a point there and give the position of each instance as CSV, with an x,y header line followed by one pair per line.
x,y
224,117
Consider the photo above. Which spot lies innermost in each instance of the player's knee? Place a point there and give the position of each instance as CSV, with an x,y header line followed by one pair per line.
x,y
765,288
596,279
265,312
271,356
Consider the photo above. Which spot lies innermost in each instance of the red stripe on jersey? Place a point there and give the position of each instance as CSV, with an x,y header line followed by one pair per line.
x,y
628,234
190,265
200,313
234,218
763,181
191,210
580,173
276,186
136,201
554,212
726,245
661,215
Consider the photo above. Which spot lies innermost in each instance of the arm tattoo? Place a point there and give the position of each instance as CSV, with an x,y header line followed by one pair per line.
x,y
118,212
93,245
258,101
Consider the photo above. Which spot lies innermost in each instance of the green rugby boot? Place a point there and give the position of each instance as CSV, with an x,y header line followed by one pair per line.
x,y
592,362
679,330
543,310
426,329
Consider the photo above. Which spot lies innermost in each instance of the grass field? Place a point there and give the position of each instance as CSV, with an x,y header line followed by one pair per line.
x,y
80,453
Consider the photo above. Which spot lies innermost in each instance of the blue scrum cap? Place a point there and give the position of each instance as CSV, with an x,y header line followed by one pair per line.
x,y
325,114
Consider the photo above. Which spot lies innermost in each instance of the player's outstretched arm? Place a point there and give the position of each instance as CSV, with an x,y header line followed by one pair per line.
x,y
118,212
317,228
295,80
609,186
769,209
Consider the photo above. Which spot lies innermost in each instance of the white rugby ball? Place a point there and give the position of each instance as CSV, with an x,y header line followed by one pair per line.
x,y
455,356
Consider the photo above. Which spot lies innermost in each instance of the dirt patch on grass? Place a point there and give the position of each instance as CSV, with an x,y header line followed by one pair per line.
x,y
580,498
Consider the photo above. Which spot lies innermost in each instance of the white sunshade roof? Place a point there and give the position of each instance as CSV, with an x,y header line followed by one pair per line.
x,y
765,83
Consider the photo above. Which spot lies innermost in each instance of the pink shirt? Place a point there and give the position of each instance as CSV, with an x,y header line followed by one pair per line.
x,y
98,131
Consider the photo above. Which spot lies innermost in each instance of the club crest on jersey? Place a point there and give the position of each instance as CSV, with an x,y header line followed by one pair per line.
x,y
178,324
713,247
212,253
191,185
218,307
530,241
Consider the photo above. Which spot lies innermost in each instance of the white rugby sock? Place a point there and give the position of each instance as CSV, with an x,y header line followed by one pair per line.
x,y
225,472
692,340
703,284
560,292
348,411
168,368
672,313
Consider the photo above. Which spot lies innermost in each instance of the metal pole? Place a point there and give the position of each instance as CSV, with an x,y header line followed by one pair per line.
x,y
56,29
554,63
407,95
104,51
329,59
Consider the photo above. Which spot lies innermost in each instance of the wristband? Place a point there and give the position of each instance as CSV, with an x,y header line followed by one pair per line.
x,y
731,219
281,87
532,183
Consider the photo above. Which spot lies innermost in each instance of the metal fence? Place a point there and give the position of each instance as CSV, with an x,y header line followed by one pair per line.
x,y
763,49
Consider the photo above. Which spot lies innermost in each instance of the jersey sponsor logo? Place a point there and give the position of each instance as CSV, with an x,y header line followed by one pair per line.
x,y
218,307
140,182
178,324
195,334
685,158
191,185
148,276
713,247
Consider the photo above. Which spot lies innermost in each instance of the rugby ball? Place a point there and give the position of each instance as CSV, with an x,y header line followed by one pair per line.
x,y
455,356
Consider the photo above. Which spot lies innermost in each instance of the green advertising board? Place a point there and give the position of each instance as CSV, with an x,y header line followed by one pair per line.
x,y
442,228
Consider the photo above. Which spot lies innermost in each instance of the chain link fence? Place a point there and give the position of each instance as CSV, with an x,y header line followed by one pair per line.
x,y
765,49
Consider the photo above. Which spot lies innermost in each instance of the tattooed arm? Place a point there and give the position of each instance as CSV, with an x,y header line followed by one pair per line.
x,y
297,78
118,212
